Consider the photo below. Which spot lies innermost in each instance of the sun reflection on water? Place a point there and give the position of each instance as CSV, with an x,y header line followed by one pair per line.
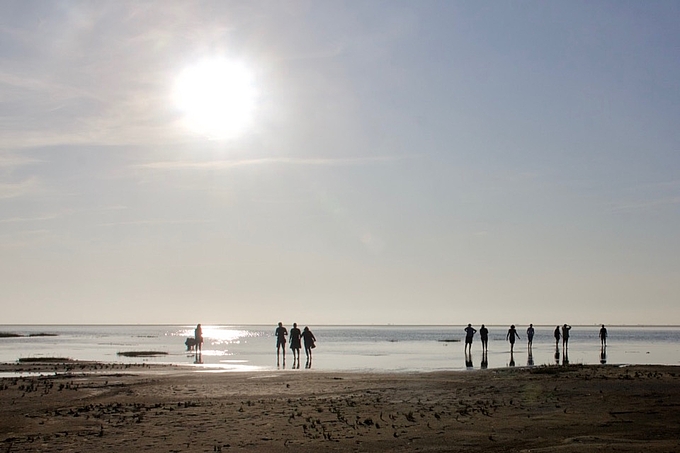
x,y
221,335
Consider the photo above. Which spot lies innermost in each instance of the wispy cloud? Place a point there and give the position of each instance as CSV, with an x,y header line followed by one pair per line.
x,y
644,205
13,161
226,164
30,219
13,190
154,222
24,238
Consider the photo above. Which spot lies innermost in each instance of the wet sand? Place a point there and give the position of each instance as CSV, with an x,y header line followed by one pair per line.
x,y
122,408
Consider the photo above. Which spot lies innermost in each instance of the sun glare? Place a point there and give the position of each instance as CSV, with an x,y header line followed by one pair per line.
x,y
217,98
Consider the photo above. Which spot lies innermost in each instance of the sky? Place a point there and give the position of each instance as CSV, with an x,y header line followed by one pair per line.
x,y
397,162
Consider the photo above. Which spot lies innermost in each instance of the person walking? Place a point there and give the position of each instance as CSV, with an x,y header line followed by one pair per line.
x,y
310,342
512,334
295,343
484,336
469,334
530,336
280,333
603,336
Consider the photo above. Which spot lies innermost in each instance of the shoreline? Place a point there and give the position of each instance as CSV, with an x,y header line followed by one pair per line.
x,y
121,407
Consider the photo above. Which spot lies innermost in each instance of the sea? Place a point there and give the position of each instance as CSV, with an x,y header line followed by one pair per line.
x,y
235,348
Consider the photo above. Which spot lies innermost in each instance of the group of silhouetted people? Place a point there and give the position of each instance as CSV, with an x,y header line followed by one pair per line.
x,y
296,340
560,333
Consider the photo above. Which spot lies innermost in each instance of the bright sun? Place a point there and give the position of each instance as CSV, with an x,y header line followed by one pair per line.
x,y
217,98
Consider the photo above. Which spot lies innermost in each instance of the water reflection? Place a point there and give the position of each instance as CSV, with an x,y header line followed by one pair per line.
x,y
468,359
485,360
603,355
512,358
530,357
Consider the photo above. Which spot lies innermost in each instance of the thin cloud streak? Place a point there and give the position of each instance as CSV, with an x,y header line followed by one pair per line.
x,y
13,190
24,238
225,164
646,205
17,161
30,219
154,222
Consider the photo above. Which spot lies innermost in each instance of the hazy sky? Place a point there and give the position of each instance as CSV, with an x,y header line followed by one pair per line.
x,y
413,162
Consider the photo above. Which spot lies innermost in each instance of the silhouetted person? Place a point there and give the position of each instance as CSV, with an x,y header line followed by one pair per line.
x,y
469,334
310,342
281,341
603,336
198,338
485,360
512,334
557,336
484,336
565,336
530,335
295,344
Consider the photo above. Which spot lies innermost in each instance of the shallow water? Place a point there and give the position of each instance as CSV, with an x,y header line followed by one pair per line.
x,y
341,348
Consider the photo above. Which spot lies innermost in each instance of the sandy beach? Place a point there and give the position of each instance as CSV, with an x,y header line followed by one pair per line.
x,y
121,408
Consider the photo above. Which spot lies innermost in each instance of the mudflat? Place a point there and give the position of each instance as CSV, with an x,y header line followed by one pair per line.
x,y
88,407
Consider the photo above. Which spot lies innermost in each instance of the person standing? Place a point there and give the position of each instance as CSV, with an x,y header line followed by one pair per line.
x,y
512,333
281,341
565,335
530,335
198,338
484,336
603,336
557,336
469,334
295,343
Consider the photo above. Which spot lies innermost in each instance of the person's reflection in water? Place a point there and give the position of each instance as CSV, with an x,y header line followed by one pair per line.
x,y
603,355
565,358
530,357
485,360
468,360
557,355
199,357
512,358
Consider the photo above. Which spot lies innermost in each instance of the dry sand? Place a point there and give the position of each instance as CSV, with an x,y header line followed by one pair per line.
x,y
118,408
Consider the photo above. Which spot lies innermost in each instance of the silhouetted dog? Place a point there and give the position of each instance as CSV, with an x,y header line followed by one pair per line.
x,y
190,344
